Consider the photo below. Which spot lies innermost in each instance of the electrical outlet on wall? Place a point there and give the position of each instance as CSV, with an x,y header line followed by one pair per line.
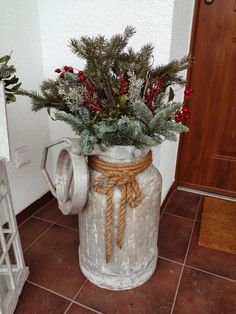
x,y
22,156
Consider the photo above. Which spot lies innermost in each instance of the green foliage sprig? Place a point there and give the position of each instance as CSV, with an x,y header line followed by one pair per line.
x,y
119,98
11,82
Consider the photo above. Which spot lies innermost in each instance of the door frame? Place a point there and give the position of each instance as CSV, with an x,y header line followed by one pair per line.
x,y
195,21
188,80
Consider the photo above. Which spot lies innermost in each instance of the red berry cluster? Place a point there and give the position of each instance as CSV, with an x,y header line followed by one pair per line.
x,y
90,102
123,86
81,76
64,70
187,93
184,113
153,90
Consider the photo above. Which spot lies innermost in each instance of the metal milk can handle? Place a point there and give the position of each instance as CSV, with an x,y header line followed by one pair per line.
x,y
72,177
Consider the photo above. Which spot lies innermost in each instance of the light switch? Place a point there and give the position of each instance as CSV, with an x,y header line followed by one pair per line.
x,y
22,156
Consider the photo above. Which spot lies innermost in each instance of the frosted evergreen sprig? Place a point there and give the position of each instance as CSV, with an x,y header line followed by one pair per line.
x,y
135,86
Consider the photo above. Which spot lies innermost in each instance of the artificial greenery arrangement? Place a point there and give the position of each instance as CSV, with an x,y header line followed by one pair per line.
x,y
10,80
119,98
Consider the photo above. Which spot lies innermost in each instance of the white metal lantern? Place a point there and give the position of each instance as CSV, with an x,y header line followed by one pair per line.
x,y
13,272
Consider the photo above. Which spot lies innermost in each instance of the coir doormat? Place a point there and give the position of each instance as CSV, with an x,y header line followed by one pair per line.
x,y
218,225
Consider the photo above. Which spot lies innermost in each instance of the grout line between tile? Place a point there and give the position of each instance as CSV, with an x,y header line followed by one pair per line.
x,y
46,220
209,273
35,240
170,260
185,258
82,305
161,215
50,201
23,222
49,290
55,222
87,307
71,228
178,216
164,209
72,301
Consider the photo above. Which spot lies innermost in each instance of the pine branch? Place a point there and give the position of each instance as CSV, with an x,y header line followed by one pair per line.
x,y
162,115
117,44
100,55
142,112
169,72
39,101
74,121
142,62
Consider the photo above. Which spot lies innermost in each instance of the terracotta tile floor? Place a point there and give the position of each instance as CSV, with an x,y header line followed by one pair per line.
x,y
189,279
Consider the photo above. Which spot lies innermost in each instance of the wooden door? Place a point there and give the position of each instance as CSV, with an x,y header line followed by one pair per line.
x,y
207,156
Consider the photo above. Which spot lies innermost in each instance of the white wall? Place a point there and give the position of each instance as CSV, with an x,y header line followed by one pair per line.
x,y
19,32
182,16
166,24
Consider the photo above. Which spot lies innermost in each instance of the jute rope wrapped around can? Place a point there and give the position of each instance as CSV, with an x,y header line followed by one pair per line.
x,y
122,175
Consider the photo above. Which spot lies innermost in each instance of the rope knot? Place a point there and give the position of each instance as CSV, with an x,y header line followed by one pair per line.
x,y
122,175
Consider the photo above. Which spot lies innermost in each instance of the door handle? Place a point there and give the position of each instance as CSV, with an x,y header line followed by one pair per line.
x,y
209,2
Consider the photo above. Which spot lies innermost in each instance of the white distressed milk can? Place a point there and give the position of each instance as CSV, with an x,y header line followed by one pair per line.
x,y
116,194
